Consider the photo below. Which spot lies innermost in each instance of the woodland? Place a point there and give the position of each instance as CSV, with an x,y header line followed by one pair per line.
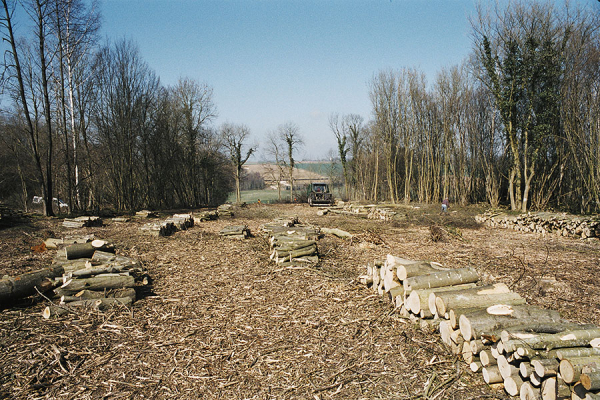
x,y
517,123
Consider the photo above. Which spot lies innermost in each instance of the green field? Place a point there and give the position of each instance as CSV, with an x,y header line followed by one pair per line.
x,y
265,196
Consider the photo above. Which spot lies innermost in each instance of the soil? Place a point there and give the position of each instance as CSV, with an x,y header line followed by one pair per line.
x,y
221,321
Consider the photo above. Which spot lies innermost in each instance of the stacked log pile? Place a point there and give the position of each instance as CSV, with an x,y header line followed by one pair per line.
x,y
371,211
291,242
146,214
544,222
235,232
82,222
225,210
169,226
531,352
94,278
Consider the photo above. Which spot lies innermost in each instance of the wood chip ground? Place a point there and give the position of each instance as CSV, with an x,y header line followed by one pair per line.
x,y
223,322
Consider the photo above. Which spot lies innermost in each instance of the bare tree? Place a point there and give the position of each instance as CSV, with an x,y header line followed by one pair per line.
x,y
289,134
340,130
234,138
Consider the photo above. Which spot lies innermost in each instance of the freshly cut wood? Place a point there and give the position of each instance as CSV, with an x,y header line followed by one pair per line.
x,y
93,304
454,314
528,392
570,369
590,377
528,329
336,232
441,278
475,366
535,379
496,318
572,352
545,367
492,374
13,288
572,338
396,294
418,300
408,268
445,332
467,353
365,279
506,369
526,369
512,385
481,296
97,283
86,250
486,358
477,346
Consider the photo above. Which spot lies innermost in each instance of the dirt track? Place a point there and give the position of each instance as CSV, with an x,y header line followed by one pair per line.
x,y
221,321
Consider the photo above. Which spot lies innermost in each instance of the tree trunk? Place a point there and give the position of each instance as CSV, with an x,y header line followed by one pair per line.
x,y
97,283
93,304
86,250
483,296
418,300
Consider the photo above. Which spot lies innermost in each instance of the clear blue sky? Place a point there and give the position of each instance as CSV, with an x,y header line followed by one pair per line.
x,y
273,61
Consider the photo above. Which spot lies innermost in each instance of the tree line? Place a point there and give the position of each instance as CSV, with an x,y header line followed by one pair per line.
x,y
92,125
518,122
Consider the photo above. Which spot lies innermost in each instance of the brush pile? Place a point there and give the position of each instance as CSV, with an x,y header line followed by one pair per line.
x,y
225,210
544,222
82,222
529,351
292,243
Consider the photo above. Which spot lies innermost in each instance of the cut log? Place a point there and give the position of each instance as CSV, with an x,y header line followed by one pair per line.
x,y
572,352
590,377
492,374
528,392
482,296
418,300
97,283
535,380
496,318
512,385
506,369
486,358
545,367
573,338
92,294
396,294
526,369
441,278
336,232
93,304
86,250
528,328
570,369
408,268
477,346
13,288
475,366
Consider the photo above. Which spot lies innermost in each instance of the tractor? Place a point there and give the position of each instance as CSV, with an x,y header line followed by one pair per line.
x,y
318,194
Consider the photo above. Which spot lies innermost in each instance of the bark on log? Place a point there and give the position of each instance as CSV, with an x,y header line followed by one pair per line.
x,y
408,268
418,300
495,318
469,298
506,369
529,328
486,358
574,338
441,278
570,369
92,294
86,250
590,377
24,285
545,367
475,366
526,369
96,283
571,352
93,304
